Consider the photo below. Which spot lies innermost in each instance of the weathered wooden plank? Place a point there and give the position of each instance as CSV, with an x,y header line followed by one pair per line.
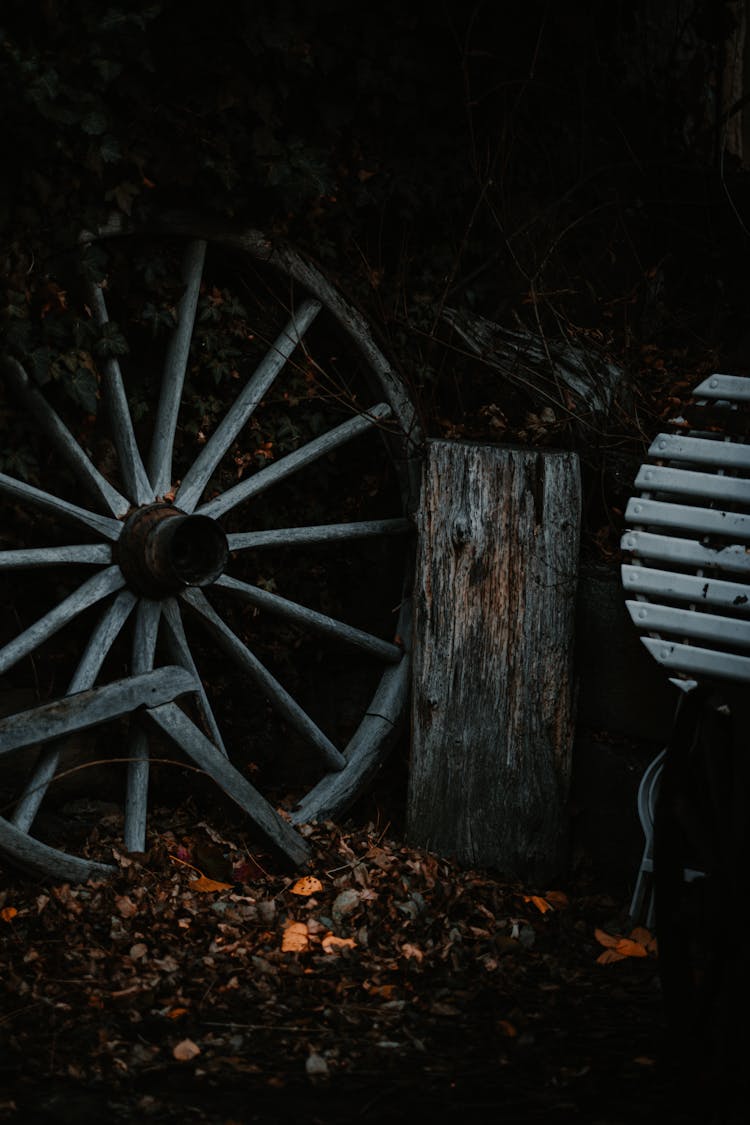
x,y
701,451
492,699
704,591
733,559
175,723
694,661
736,388
89,708
684,517
686,482
711,627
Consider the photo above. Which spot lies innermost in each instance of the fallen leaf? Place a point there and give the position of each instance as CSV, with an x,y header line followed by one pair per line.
x,y
540,903
306,886
344,903
126,906
331,943
204,885
316,1067
8,913
605,939
295,938
508,1029
616,947
412,952
558,899
186,1050
176,1013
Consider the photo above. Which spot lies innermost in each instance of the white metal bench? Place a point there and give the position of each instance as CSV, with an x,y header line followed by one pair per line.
x,y
687,580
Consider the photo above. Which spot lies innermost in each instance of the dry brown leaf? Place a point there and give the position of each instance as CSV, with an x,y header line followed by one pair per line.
x,y
295,938
306,886
186,1050
412,952
507,1028
126,906
558,899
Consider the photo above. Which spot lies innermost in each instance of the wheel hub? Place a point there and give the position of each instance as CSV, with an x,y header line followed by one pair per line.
x,y
162,550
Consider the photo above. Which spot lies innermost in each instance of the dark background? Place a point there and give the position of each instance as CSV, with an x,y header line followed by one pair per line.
x,y
561,163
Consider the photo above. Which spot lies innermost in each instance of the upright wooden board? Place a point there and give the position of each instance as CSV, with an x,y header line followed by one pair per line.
x,y
493,682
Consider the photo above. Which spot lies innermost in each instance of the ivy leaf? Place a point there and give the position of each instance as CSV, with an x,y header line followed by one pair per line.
x,y
111,341
82,387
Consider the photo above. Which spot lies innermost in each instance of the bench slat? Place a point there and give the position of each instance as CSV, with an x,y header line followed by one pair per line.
x,y
705,451
684,482
649,581
736,388
698,661
669,619
734,559
703,521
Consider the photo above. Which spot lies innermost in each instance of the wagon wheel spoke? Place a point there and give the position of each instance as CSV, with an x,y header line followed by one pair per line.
x,y
165,426
202,751
308,618
145,633
85,709
60,436
181,654
131,465
30,558
47,502
322,533
195,481
279,698
364,753
92,591
295,461
99,644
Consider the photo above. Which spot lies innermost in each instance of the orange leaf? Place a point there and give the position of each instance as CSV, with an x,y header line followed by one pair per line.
x,y
558,899
540,903
508,1029
295,938
8,913
331,943
630,948
204,885
608,956
176,1013
605,939
306,886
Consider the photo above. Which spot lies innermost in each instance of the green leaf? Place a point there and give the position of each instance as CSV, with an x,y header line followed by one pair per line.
x,y
83,389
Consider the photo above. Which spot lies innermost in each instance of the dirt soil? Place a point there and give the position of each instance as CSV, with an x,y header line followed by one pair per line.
x,y
384,984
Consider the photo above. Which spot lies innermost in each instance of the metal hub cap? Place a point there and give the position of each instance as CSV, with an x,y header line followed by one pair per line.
x,y
162,550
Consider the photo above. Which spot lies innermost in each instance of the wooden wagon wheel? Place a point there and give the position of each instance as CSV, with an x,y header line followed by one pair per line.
x,y
161,558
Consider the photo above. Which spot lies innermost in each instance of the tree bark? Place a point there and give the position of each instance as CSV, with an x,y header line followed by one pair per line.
x,y
493,683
